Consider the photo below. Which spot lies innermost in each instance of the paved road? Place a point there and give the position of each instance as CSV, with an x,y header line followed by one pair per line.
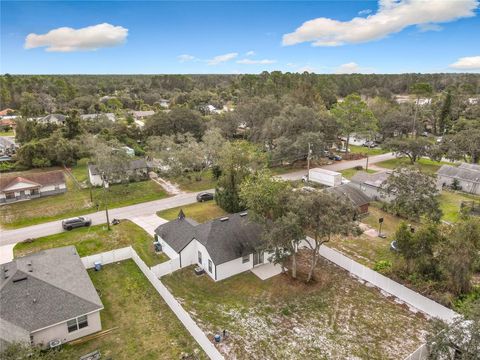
x,y
127,212
341,165
8,237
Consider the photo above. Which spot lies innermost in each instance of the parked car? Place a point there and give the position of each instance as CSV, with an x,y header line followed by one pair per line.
x,y
370,144
204,196
334,157
76,222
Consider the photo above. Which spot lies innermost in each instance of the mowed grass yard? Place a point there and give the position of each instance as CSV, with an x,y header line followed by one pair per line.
x,y
76,202
200,212
426,165
450,203
146,328
355,149
97,239
336,317
349,173
193,182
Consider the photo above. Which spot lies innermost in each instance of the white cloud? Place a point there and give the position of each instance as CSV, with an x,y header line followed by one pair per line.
x,y
306,68
364,12
392,16
429,27
66,39
222,58
352,68
250,53
467,63
256,62
185,58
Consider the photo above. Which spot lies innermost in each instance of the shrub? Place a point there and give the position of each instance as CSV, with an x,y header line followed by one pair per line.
x,y
358,167
382,265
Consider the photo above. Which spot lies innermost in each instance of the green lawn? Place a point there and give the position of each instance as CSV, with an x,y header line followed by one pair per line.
x,y
80,171
355,149
335,317
426,165
146,328
349,173
7,133
77,202
97,239
189,181
200,212
450,204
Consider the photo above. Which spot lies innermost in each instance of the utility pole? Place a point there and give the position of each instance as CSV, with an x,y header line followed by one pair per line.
x,y
105,185
366,167
308,161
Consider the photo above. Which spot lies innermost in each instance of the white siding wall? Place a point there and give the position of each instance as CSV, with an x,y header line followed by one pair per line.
x,y
172,254
189,254
2,195
233,267
205,258
95,180
468,187
60,331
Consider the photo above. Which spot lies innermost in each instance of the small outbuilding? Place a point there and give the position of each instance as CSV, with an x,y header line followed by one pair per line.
x,y
357,197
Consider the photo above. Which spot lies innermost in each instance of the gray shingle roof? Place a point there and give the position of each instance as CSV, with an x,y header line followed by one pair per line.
x,y
460,173
132,165
375,179
355,195
53,289
225,240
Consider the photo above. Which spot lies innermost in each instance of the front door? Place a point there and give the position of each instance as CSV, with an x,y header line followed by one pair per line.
x,y
257,258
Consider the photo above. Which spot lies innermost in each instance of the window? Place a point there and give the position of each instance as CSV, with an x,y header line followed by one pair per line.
x,y
209,266
10,195
82,321
72,325
245,259
199,257
78,323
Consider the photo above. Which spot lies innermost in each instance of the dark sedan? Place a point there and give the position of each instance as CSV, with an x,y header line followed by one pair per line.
x,y
204,196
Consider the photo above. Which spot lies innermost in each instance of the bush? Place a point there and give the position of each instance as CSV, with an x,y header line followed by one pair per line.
x,y
382,265
358,167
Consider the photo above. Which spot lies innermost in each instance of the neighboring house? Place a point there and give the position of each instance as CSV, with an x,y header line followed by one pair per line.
x,y
423,101
8,122
137,171
356,196
30,186
47,296
6,112
466,175
108,116
140,115
473,101
222,247
7,146
57,119
371,184
163,103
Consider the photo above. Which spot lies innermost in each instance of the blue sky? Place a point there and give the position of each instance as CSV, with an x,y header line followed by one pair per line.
x,y
239,37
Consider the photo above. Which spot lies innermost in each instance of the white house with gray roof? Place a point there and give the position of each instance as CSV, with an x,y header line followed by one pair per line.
x,y
222,247
466,175
372,184
47,297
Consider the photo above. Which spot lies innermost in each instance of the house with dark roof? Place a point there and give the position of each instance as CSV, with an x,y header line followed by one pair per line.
x,y
353,194
372,184
31,186
58,119
467,177
137,170
222,247
47,297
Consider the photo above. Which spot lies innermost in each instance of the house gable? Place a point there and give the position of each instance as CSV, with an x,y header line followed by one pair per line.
x,y
21,184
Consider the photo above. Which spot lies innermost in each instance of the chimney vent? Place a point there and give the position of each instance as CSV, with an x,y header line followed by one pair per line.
x,y
224,219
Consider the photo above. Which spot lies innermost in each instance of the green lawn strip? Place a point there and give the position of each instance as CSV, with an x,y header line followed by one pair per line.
x,y
146,327
80,171
200,212
450,204
7,133
193,182
426,165
355,149
349,173
279,317
96,239
77,202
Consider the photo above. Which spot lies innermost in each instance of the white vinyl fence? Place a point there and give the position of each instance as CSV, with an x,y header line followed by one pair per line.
x,y
166,268
420,354
129,253
400,291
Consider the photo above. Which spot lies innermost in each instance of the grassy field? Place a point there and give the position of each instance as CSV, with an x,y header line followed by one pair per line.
x,y
77,202
97,239
335,317
349,173
450,204
146,328
426,165
188,182
7,133
200,212
80,171
355,149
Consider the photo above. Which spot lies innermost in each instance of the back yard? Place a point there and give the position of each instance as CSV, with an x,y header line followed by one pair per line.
x,y
144,326
426,165
200,212
97,239
76,201
336,317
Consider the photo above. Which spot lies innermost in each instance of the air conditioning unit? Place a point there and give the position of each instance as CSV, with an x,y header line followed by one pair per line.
x,y
54,343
